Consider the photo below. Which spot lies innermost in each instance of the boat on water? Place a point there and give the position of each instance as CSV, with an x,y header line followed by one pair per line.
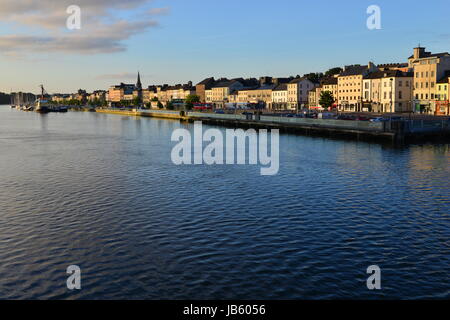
x,y
42,104
59,109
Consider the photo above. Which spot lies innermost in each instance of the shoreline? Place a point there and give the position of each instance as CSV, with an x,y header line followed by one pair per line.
x,y
385,132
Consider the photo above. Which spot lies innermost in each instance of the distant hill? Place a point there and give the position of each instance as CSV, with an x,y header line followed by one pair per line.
x,y
4,98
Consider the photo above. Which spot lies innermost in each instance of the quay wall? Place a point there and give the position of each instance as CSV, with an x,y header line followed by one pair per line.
x,y
391,131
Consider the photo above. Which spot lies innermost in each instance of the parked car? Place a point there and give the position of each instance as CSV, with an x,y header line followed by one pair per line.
x,y
378,119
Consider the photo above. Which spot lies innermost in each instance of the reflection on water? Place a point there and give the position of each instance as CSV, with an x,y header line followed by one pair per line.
x,y
100,191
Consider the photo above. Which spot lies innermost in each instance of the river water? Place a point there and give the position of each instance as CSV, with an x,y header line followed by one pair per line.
x,y
101,192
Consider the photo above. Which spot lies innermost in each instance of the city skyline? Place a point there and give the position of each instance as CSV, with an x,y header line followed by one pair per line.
x,y
167,41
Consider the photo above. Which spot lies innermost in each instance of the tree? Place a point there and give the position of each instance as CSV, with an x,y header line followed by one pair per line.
x,y
333,71
136,101
160,105
326,99
190,100
170,106
314,77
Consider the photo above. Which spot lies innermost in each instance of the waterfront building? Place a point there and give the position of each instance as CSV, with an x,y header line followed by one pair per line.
x,y
298,90
233,97
280,97
313,98
330,84
99,95
261,95
428,69
208,96
202,86
350,84
149,94
178,92
442,96
221,91
121,92
60,98
388,91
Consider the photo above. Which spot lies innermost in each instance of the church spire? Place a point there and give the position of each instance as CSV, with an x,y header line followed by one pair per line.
x,y
139,84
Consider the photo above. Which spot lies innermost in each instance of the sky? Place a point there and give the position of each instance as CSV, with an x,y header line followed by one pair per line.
x,y
175,41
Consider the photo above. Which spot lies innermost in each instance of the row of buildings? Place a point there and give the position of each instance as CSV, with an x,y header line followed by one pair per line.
x,y
421,85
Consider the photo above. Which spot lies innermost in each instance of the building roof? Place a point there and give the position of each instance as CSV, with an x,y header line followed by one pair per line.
x,y
208,83
354,70
427,55
266,87
389,74
281,87
329,81
225,84
298,80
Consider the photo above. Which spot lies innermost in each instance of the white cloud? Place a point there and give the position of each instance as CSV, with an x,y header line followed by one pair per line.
x,y
103,29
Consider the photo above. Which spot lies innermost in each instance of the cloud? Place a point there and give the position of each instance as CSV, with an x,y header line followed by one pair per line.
x,y
159,11
104,30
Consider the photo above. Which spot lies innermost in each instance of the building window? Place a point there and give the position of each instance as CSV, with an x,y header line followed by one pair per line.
x,y
400,95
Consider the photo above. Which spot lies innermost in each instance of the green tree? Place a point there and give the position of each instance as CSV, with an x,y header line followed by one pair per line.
x,y
333,71
170,106
314,77
160,105
326,99
190,100
136,101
